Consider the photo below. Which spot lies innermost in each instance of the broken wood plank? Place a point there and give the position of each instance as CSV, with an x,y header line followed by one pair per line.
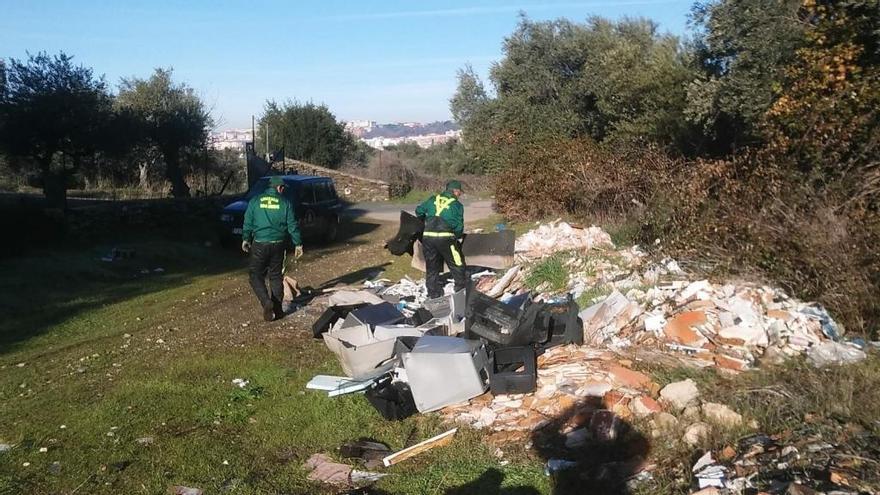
x,y
438,441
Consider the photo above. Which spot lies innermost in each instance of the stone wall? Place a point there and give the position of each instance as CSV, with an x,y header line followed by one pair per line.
x,y
349,187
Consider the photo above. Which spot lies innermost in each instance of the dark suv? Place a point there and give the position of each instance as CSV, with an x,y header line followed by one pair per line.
x,y
314,198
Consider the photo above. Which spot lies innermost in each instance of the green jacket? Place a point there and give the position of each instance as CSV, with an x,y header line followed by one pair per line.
x,y
268,218
442,213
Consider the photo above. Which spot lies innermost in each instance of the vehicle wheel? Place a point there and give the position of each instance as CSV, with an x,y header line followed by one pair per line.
x,y
331,233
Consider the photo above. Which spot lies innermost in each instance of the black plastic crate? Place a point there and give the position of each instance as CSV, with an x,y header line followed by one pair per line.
x,y
513,370
502,323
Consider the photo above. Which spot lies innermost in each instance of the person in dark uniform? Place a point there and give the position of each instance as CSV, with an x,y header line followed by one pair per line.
x,y
441,241
268,221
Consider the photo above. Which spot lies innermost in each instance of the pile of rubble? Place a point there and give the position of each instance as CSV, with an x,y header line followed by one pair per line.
x,y
649,312
543,358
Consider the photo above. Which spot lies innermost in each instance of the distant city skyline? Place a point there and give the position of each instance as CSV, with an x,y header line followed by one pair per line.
x,y
390,61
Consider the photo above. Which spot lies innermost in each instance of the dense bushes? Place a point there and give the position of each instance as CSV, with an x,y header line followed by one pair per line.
x,y
800,206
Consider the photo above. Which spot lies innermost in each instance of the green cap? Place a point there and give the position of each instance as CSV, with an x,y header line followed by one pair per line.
x,y
276,181
453,184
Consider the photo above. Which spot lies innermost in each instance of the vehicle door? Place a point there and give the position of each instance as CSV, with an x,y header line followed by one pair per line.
x,y
307,209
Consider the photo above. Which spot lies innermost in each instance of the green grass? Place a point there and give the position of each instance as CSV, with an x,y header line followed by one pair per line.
x,y
550,272
414,196
91,362
68,316
586,298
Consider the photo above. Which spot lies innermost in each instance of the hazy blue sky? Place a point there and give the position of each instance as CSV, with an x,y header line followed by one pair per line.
x,y
387,61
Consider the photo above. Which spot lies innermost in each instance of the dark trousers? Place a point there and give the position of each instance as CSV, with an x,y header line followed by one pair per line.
x,y
438,250
267,259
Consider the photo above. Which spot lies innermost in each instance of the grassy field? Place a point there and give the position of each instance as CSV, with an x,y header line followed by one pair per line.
x,y
114,381
117,378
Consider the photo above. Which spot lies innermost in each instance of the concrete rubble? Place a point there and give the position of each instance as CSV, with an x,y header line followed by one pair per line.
x,y
649,312
634,313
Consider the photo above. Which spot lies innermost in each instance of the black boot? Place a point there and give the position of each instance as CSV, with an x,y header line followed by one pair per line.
x,y
268,312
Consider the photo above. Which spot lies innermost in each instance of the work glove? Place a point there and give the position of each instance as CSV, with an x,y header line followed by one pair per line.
x,y
246,246
297,252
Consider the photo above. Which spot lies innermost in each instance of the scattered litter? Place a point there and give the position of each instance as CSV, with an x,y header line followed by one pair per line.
x,y
338,385
708,473
322,468
555,465
829,353
240,382
184,490
407,453
368,452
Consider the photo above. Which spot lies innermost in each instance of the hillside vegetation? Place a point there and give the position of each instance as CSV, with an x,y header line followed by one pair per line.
x,y
752,148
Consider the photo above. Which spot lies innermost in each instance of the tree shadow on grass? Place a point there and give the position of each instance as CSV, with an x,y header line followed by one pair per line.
x,y
48,288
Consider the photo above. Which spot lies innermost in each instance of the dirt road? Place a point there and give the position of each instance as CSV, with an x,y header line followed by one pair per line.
x,y
390,212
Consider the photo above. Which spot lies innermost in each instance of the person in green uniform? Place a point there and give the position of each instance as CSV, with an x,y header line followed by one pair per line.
x,y
268,221
441,241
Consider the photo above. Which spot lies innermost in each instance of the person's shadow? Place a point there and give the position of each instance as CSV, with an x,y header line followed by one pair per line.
x,y
489,483
604,452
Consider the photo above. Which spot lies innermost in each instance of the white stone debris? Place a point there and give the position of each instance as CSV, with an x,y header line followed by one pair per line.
x,y
681,394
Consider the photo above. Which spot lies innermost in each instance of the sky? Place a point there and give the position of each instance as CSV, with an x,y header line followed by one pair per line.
x,y
388,61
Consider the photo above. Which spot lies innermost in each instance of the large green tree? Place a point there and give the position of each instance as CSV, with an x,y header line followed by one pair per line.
x,y
175,121
306,132
561,79
743,47
53,118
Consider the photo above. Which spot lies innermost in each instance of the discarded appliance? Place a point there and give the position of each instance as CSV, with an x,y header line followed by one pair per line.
x,y
492,250
562,323
411,228
393,399
445,370
374,314
513,370
362,354
448,310
330,316
502,323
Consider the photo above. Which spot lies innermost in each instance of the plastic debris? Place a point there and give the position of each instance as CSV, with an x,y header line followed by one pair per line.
x,y
830,353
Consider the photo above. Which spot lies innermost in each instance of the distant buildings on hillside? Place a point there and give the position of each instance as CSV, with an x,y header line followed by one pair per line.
x,y
231,139
375,135
423,140
425,135
358,128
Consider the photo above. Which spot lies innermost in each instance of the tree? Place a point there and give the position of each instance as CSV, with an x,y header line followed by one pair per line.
x,y
743,47
53,116
307,132
559,80
175,121
470,96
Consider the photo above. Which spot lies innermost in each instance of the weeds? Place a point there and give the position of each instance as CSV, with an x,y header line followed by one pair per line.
x,y
589,296
548,274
